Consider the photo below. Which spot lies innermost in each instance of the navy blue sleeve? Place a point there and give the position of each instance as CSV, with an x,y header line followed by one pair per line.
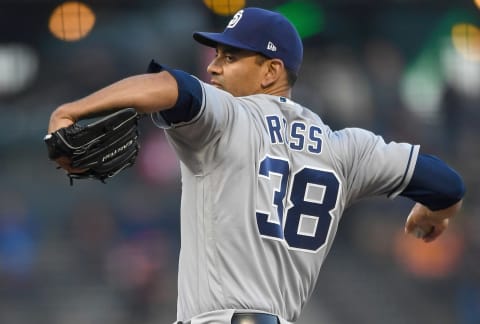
x,y
434,184
189,99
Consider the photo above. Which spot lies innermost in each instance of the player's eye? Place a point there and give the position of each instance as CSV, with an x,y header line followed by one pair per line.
x,y
229,58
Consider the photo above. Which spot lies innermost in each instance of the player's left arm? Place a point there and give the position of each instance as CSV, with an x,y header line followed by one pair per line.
x,y
438,190
146,93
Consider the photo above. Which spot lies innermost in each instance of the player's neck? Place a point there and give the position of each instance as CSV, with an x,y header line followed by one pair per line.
x,y
281,91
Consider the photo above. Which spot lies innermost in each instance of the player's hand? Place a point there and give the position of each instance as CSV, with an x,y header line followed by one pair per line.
x,y
427,224
58,120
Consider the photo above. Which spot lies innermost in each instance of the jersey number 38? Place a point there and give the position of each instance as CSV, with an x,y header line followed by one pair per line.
x,y
302,215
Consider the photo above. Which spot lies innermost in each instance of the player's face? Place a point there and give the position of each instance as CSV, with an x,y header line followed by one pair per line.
x,y
237,71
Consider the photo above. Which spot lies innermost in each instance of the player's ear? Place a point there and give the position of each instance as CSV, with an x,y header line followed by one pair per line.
x,y
274,70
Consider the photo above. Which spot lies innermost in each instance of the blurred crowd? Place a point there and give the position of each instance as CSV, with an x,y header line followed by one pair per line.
x,y
96,253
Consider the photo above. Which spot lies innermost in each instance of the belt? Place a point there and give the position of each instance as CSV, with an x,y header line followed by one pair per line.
x,y
252,318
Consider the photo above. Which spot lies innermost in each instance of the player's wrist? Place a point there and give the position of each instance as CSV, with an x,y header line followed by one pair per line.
x,y
64,112
448,212
58,123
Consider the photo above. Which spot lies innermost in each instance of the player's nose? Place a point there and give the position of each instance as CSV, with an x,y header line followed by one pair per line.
x,y
214,67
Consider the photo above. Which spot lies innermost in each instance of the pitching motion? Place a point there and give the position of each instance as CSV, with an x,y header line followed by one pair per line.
x,y
98,150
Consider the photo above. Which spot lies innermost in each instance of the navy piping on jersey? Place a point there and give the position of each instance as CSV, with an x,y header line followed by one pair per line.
x,y
190,96
405,174
434,184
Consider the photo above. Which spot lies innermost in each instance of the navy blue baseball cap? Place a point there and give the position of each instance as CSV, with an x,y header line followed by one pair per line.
x,y
262,31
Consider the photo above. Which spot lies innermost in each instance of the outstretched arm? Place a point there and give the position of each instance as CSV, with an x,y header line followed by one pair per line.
x,y
146,93
438,191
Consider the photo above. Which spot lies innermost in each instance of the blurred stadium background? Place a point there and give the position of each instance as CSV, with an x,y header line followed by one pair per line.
x,y
94,253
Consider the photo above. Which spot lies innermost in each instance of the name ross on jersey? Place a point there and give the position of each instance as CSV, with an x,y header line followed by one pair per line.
x,y
298,136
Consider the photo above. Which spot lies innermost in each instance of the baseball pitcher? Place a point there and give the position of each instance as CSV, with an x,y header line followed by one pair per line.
x,y
264,180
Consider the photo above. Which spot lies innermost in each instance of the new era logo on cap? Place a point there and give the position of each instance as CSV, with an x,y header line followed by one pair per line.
x,y
271,47
262,31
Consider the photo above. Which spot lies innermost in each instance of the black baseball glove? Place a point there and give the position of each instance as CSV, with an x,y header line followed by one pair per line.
x,y
100,149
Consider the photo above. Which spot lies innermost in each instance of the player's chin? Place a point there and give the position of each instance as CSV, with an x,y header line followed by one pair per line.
x,y
216,84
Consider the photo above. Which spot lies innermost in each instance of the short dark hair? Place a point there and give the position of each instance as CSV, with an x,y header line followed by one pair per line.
x,y
291,77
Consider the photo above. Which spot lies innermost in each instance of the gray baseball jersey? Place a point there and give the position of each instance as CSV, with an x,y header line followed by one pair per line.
x,y
265,183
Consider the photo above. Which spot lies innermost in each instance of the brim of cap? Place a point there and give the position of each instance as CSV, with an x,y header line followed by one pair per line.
x,y
213,39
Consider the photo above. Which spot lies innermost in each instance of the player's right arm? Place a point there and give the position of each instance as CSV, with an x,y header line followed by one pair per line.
x,y
428,224
438,191
373,167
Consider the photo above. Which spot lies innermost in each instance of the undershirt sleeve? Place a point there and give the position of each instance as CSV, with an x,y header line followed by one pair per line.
x,y
189,101
434,184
